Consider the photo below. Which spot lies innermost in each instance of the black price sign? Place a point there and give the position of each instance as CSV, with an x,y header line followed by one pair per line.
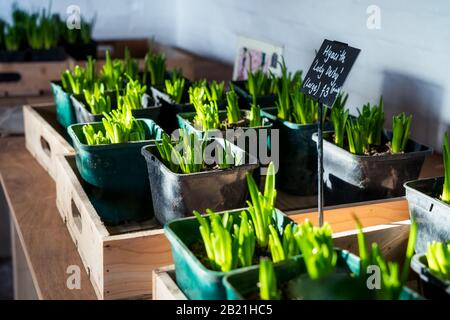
x,y
328,72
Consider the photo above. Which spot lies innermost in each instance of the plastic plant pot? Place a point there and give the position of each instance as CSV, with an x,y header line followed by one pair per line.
x,y
81,51
116,168
243,284
65,113
53,54
298,155
263,101
12,56
177,195
169,108
430,285
195,280
430,213
83,115
353,178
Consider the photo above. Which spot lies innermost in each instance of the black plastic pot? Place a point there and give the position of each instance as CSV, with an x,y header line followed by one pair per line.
x,y
169,108
54,54
353,178
431,214
177,195
83,115
82,51
12,56
431,287
298,155
247,100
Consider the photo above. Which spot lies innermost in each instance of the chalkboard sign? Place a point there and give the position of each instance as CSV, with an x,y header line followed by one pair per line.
x,y
328,71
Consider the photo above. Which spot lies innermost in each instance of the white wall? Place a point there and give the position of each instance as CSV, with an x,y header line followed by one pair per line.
x,y
407,60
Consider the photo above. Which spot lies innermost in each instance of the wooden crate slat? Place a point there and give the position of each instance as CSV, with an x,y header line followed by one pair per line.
x,y
43,136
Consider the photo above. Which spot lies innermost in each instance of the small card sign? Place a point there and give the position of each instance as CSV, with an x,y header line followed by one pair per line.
x,y
328,72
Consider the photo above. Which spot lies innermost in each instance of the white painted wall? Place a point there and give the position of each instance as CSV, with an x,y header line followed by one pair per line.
x,y
407,60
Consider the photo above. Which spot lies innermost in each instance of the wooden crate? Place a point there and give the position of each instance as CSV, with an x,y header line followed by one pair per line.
x,y
165,286
44,136
392,239
33,77
119,260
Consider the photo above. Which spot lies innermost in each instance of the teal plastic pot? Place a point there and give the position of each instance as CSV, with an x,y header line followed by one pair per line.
x,y
243,284
116,168
195,280
83,115
246,99
297,173
65,113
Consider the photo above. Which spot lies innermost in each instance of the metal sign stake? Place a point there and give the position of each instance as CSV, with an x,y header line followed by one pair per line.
x,y
320,164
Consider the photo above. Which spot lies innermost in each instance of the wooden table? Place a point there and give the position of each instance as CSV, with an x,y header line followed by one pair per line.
x,y
43,249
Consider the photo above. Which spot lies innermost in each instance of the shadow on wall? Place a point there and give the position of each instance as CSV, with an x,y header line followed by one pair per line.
x,y
402,92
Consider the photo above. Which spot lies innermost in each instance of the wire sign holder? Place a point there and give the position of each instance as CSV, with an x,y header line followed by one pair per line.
x,y
322,83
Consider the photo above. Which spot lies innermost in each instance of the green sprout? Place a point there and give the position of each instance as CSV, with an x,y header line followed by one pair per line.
x,y
255,116
74,81
304,109
245,234
233,111
401,126
339,117
120,126
372,119
438,259
189,160
268,289
392,278
207,114
133,95
13,38
316,246
175,87
358,141
446,155
96,99
112,72
93,138
261,206
215,90
284,103
155,64
221,246
130,66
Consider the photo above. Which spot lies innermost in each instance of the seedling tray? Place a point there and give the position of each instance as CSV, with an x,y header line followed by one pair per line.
x,y
119,260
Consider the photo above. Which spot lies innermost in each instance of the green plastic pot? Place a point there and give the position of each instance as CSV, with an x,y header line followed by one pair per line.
x,y
262,101
65,113
298,155
117,168
243,284
195,280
